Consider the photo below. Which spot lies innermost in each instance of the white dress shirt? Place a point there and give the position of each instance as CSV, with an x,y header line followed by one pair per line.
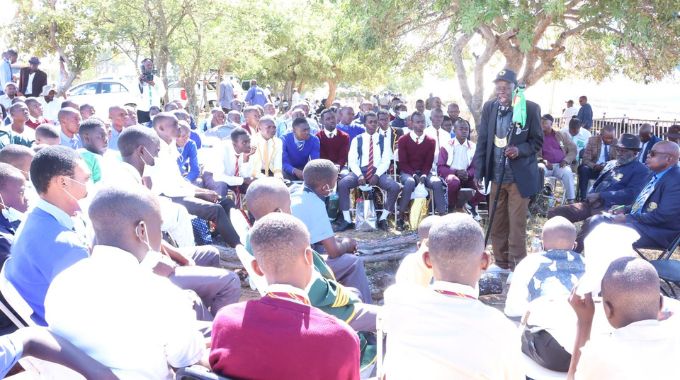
x,y
29,85
130,320
641,350
459,155
441,138
438,336
151,95
380,162
569,112
166,178
223,165
269,153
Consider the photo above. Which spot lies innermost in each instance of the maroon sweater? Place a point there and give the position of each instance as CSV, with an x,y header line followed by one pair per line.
x,y
335,149
279,339
416,157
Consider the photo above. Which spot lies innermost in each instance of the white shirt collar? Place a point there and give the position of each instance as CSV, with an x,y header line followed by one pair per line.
x,y
60,215
457,143
455,288
285,288
330,134
108,252
415,137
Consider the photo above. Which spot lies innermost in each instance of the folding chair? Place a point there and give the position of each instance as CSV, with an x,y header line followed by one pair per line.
x,y
668,269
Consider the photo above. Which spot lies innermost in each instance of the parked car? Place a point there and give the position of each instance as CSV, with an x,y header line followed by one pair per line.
x,y
103,93
177,92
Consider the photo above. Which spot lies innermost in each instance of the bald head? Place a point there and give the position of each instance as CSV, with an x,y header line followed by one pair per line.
x,y
267,195
559,233
425,225
630,291
280,243
456,249
670,148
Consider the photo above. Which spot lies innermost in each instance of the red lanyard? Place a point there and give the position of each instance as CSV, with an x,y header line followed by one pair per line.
x,y
454,294
289,296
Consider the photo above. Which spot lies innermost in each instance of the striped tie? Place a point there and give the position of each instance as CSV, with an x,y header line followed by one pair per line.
x,y
370,169
238,188
642,198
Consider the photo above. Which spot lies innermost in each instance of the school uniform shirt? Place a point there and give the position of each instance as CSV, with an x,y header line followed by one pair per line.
x,y
441,137
641,350
131,320
188,161
11,350
334,146
381,161
445,332
416,154
224,167
459,156
281,336
311,210
33,263
297,153
353,130
166,179
413,271
268,157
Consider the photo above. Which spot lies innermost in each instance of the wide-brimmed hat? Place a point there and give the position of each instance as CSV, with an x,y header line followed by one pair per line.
x,y
628,141
506,75
673,132
34,61
47,89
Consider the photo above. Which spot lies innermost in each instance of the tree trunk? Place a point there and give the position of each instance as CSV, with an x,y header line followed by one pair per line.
x,y
332,88
288,91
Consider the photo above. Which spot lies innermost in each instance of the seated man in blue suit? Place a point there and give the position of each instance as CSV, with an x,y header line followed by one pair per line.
x,y
299,147
647,141
618,184
654,213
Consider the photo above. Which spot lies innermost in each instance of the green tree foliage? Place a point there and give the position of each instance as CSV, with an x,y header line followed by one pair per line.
x,y
638,38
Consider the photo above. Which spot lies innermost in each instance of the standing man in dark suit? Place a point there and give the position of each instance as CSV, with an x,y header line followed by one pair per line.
x,y
520,178
654,214
32,79
647,141
585,113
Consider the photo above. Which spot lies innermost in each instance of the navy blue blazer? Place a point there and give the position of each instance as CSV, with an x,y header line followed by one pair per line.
x,y
621,184
648,148
659,221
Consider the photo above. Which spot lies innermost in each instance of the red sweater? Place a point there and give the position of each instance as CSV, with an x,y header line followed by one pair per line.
x,y
280,339
416,157
335,149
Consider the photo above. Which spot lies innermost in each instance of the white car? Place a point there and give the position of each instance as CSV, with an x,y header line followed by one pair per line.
x,y
103,93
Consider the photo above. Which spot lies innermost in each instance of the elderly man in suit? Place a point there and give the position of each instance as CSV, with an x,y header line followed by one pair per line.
x,y
556,156
596,154
32,79
518,181
654,213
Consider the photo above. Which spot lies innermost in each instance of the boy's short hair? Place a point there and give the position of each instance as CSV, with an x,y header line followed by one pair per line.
x,y
277,239
319,172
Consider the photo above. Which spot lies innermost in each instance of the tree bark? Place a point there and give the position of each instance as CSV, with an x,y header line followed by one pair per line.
x,y
332,89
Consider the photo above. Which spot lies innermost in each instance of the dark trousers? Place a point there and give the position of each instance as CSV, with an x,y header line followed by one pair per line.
x,y
541,347
509,228
576,212
585,174
143,117
211,212
431,182
351,181
453,186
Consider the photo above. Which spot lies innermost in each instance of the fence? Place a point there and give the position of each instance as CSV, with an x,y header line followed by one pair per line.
x,y
626,125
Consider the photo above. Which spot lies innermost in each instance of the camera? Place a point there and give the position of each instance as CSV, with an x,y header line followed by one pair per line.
x,y
147,73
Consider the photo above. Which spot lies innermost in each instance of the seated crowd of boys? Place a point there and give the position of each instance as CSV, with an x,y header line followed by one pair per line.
x,y
150,181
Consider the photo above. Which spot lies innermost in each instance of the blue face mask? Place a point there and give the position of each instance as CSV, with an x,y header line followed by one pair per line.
x,y
11,214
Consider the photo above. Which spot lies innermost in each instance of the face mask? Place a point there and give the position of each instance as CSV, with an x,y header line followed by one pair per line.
x,y
11,214
152,256
403,114
331,192
148,169
88,189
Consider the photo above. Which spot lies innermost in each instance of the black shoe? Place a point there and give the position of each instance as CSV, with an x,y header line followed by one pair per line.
x,y
400,224
382,224
343,225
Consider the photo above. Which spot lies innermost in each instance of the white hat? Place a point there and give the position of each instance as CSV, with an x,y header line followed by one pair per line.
x,y
47,89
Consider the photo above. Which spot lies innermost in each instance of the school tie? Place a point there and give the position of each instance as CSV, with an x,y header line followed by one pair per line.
x,y
370,169
266,157
238,188
606,153
74,143
642,197
300,145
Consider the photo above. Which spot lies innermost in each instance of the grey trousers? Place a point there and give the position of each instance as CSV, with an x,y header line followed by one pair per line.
x,y
431,182
364,318
215,286
351,181
349,271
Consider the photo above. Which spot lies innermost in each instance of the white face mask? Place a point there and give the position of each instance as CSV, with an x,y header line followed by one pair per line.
x,y
83,203
403,114
152,256
148,169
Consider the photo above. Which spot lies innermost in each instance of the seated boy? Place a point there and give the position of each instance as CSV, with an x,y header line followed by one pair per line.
x,y
188,154
294,339
641,346
413,269
299,147
540,286
423,323
307,204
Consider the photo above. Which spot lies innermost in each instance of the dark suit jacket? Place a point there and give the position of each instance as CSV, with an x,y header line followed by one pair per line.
x,y
625,183
659,220
649,146
529,142
39,81
591,152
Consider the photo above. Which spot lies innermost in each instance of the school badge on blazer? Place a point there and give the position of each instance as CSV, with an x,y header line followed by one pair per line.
x,y
618,177
652,206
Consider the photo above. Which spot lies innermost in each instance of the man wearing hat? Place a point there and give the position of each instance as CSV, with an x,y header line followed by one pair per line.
x,y
556,157
673,133
570,111
32,79
617,184
518,181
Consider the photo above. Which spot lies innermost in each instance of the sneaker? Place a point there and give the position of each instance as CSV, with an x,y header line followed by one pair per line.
x,y
400,224
382,224
343,225
493,268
